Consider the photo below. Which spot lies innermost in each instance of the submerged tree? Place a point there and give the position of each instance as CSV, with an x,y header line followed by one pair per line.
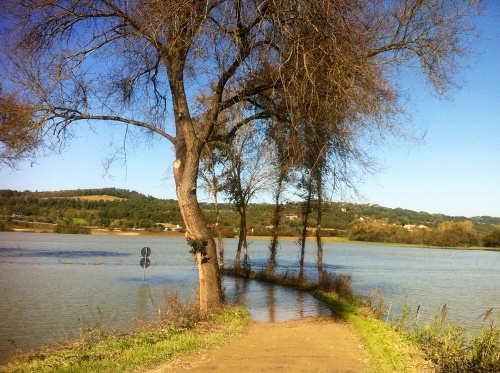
x,y
281,167
211,174
174,68
247,173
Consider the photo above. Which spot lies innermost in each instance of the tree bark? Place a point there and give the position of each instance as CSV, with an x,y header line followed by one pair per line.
x,y
273,246
319,243
188,149
199,237
242,242
220,241
305,221
237,257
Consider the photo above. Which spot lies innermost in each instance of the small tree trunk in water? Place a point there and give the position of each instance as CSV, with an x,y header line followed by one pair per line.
x,y
198,235
220,241
246,261
273,246
305,221
319,243
237,258
242,242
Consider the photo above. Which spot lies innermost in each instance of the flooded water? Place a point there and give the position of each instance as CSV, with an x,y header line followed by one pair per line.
x,y
52,285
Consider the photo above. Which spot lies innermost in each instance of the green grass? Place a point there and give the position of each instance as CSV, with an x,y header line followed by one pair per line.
x,y
389,350
80,221
95,352
406,346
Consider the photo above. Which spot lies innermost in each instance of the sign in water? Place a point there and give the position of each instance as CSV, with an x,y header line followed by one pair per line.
x,y
145,262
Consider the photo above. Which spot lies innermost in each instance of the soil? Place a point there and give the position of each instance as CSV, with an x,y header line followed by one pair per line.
x,y
305,345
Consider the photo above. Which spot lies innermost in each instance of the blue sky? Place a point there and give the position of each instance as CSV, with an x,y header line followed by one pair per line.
x,y
455,171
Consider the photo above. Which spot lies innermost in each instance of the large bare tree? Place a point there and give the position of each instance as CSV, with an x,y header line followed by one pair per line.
x,y
174,68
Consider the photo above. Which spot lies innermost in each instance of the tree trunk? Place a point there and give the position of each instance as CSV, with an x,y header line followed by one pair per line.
x,y
242,241
237,257
197,232
319,243
246,261
273,246
188,149
220,241
305,221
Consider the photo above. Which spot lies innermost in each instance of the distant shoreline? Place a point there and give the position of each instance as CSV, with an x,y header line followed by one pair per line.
x,y
326,239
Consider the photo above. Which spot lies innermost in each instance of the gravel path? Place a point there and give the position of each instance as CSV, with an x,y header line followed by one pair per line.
x,y
306,345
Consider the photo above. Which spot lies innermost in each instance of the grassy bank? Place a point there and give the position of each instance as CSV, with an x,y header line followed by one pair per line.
x,y
139,351
389,350
406,346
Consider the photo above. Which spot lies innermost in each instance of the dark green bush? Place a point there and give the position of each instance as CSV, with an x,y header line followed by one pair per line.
x,y
71,229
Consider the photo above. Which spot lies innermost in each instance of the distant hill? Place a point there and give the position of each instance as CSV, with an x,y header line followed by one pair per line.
x,y
124,209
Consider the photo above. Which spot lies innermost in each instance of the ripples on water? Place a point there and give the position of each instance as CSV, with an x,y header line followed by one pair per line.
x,y
51,285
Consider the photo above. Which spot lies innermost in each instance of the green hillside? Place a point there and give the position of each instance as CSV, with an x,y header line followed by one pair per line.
x,y
112,208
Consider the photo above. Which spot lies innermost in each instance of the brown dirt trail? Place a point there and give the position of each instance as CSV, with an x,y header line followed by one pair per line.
x,y
306,345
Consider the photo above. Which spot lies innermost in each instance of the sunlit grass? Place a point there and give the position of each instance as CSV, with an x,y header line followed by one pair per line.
x,y
389,350
407,346
132,352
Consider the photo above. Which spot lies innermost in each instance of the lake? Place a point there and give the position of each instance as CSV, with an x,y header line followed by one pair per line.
x,y
52,285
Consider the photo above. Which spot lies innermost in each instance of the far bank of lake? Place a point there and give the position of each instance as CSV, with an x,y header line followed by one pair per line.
x,y
326,239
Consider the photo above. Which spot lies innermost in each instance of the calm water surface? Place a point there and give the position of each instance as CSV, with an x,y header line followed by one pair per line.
x,y
52,285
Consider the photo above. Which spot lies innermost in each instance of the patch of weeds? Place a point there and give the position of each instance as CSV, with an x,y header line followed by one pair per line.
x,y
172,311
454,348
137,351
376,302
340,307
340,284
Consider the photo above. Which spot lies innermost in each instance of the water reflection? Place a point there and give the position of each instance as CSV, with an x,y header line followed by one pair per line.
x,y
272,303
143,300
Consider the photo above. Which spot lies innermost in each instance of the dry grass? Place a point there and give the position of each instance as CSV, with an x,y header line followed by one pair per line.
x,y
178,331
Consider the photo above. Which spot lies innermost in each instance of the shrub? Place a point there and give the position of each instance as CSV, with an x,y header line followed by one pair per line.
x,y
492,239
453,348
71,229
4,228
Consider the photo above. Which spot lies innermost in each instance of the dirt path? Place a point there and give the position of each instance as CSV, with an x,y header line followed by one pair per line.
x,y
306,345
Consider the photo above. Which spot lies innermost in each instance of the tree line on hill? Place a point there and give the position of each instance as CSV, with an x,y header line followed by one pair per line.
x,y
358,222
